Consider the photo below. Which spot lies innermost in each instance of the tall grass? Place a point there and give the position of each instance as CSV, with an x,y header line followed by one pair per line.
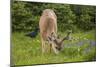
x,y
26,51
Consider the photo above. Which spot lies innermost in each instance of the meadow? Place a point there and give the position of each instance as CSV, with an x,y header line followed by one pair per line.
x,y
27,51
81,19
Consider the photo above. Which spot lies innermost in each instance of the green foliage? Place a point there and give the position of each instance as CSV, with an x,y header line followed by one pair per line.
x,y
26,15
85,16
27,51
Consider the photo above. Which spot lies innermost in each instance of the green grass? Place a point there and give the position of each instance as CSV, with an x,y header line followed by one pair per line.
x,y
26,51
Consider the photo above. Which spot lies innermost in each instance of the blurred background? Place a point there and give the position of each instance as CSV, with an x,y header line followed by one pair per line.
x,y
26,15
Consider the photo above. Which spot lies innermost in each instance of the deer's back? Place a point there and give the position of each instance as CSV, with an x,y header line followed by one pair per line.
x,y
48,23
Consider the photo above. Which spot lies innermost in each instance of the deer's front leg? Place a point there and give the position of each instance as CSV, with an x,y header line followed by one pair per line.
x,y
54,49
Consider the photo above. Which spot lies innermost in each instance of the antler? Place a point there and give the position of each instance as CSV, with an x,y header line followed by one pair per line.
x,y
66,37
58,42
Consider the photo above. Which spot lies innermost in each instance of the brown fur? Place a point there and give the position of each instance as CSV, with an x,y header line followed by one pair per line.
x,y
47,25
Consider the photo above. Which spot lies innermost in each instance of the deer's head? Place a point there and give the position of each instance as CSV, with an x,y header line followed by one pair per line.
x,y
57,40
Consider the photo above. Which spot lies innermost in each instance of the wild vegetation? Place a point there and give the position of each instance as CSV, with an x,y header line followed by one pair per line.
x,y
77,18
27,51
26,15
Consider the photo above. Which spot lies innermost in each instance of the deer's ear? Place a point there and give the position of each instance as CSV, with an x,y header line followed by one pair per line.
x,y
52,34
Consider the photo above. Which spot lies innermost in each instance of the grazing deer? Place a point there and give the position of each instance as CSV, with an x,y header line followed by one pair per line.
x,y
57,41
48,31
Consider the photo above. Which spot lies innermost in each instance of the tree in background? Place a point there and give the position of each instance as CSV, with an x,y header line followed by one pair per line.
x,y
25,16
85,16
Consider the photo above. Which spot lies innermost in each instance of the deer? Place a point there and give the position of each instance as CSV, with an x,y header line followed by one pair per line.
x,y
48,32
